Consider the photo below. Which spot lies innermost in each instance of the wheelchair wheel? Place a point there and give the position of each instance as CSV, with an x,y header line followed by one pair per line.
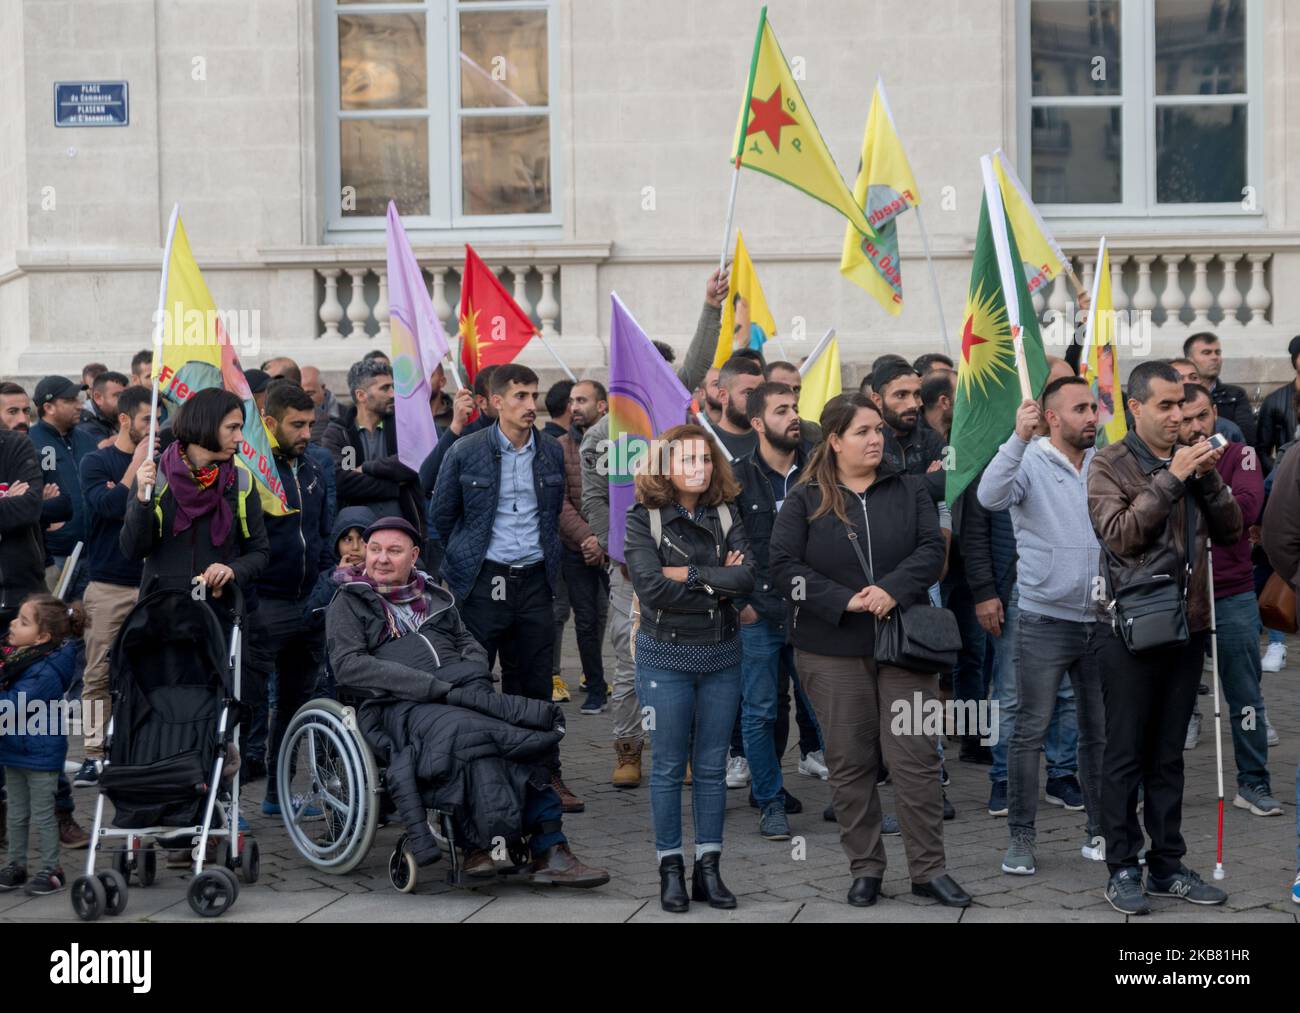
x,y
328,787
402,871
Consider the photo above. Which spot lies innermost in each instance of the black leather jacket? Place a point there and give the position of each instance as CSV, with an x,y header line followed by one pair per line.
x,y
670,610
1277,424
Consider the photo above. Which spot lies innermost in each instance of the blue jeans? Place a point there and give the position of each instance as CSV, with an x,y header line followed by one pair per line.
x,y
761,645
1238,626
1062,743
680,704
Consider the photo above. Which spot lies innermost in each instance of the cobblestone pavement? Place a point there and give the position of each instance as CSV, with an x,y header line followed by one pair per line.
x,y
774,881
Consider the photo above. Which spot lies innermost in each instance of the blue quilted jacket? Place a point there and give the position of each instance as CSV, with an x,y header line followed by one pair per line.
x,y
465,505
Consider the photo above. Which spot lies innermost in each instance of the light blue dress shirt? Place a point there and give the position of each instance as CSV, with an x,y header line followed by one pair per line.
x,y
516,537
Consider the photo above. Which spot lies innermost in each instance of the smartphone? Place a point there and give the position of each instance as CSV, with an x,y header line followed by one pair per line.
x,y
1218,441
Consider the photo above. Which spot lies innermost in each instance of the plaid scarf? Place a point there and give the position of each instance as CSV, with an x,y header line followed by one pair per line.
x,y
413,593
14,660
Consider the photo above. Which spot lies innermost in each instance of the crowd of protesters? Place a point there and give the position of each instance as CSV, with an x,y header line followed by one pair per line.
x,y
768,565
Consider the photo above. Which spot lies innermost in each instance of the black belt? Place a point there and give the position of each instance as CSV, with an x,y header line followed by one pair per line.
x,y
505,570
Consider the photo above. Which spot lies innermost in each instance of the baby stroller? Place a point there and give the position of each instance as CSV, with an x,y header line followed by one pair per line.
x,y
175,689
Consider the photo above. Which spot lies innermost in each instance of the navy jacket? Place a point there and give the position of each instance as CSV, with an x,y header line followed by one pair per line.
x,y
465,505
105,509
22,551
62,468
446,437
756,506
300,541
46,679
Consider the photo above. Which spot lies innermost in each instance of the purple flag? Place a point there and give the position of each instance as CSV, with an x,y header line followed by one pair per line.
x,y
645,398
419,344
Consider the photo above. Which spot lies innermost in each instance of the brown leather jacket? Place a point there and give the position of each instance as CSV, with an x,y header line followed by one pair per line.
x,y
1137,508
574,529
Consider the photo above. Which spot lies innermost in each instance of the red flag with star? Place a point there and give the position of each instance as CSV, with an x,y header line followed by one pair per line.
x,y
776,133
988,384
493,329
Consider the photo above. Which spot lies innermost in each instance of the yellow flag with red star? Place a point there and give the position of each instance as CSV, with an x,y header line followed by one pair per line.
x,y
988,381
776,133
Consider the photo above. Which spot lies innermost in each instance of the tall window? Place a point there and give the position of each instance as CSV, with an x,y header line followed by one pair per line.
x,y
444,107
1142,107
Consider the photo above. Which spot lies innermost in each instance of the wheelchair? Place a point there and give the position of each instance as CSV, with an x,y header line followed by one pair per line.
x,y
334,800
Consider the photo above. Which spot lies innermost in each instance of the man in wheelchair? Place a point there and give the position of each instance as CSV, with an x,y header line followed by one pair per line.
x,y
431,714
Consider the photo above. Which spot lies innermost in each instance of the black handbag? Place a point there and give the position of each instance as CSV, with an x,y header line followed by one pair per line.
x,y
1151,613
919,638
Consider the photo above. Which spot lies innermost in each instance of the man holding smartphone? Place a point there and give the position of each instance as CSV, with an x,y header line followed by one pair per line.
x,y
1237,620
1139,492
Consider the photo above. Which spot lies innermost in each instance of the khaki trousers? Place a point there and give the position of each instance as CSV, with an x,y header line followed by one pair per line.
x,y
107,606
854,699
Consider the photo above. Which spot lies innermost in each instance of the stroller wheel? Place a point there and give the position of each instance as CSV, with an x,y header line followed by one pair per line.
x,y
146,865
124,860
250,861
212,892
116,892
88,898
222,855
402,869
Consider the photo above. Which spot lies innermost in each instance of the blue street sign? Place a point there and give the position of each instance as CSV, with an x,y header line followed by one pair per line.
x,y
90,104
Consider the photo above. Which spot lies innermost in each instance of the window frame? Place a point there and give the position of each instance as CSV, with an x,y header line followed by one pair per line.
x,y
446,220
1139,105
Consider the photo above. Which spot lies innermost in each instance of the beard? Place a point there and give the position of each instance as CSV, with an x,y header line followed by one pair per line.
x,y
713,403
787,442
898,423
1080,440
736,417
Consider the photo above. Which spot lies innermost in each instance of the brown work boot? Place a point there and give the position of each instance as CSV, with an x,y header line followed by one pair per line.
x,y
569,802
70,834
627,770
558,867
478,864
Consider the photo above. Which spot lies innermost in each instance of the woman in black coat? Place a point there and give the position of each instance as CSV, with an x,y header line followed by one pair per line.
x,y
864,707
685,550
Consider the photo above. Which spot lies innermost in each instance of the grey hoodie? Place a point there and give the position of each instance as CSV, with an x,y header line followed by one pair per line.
x,y
1048,501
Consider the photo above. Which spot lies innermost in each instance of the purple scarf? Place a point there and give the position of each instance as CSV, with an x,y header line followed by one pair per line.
x,y
413,593
193,500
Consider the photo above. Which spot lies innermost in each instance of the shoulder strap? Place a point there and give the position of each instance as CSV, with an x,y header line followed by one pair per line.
x,y
244,485
656,527
724,519
857,549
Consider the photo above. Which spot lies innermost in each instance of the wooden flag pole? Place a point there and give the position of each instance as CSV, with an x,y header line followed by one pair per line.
x,y
740,137
158,331
934,282
731,216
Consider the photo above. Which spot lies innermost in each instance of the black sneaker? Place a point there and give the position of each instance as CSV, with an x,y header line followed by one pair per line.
x,y
882,775
595,702
828,814
1065,791
998,805
1124,893
47,881
793,806
88,775
253,769
949,813
12,876
1186,885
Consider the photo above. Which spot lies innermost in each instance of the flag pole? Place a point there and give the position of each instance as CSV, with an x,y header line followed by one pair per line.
x,y
1090,330
158,331
703,419
934,282
556,356
1079,289
820,347
1006,271
740,138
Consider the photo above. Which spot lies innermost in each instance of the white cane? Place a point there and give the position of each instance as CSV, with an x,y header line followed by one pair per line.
x,y
1218,723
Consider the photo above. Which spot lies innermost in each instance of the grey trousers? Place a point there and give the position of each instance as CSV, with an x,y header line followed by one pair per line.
x,y
855,700
31,803
624,705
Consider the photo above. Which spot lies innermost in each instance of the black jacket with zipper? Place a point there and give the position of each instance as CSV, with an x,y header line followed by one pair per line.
x,y
1277,424
756,505
298,543
814,564
671,611
361,481
22,549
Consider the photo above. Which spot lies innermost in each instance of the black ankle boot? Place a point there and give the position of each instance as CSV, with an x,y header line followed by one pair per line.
x,y
706,882
672,885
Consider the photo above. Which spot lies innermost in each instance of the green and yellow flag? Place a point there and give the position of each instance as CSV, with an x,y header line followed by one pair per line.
x,y
988,381
776,134
746,320
885,188
1102,363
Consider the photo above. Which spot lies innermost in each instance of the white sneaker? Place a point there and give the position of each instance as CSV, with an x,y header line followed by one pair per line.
x,y
1193,732
1273,740
814,765
737,772
1094,852
1274,659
